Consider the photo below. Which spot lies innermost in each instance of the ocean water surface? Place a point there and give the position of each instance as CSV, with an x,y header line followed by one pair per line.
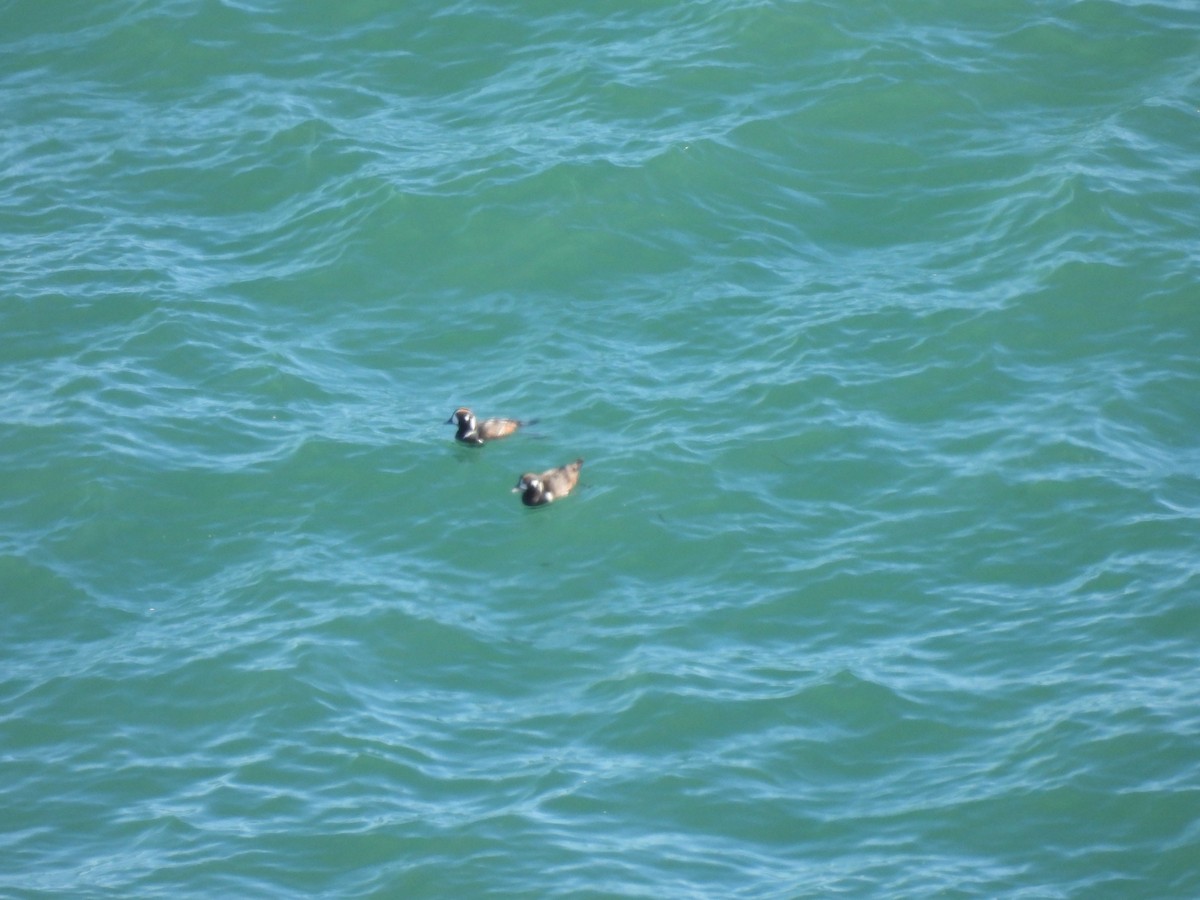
x,y
878,329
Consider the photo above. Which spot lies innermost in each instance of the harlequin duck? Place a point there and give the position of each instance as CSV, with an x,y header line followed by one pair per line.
x,y
470,431
538,489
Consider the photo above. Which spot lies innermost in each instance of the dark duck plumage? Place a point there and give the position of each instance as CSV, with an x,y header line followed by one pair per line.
x,y
472,431
538,489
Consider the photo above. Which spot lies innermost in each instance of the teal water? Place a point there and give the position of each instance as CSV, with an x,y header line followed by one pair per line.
x,y
876,324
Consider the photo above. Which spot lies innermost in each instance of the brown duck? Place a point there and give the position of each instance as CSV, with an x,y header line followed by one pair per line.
x,y
538,489
476,433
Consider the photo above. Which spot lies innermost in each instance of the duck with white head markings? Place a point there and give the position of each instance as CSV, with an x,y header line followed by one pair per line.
x,y
476,433
540,488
